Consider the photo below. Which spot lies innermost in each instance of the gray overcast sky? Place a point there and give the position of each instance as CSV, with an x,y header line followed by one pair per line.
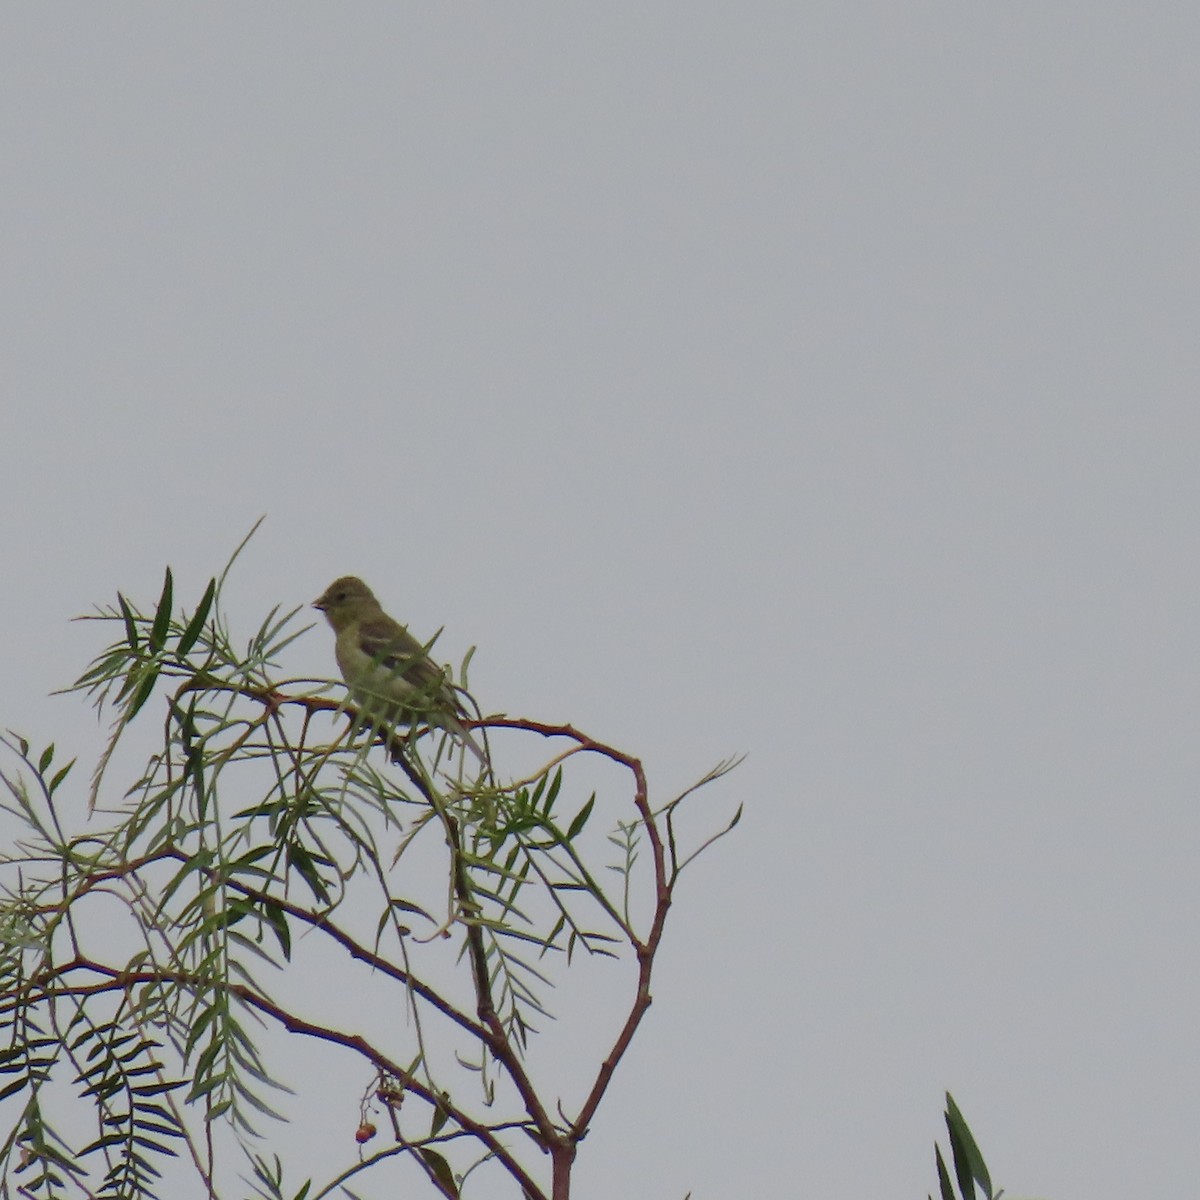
x,y
817,380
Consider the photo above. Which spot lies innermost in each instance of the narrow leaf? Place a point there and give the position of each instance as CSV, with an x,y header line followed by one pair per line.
x,y
408,907
440,1116
581,818
131,634
142,694
162,617
59,776
196,624
968,1161
440,1169
552,792
944,1184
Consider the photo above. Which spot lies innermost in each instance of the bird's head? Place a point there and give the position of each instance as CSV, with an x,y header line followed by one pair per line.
x,y
345,600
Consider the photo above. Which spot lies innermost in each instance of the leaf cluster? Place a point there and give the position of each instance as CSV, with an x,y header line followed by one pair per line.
x,y
272,829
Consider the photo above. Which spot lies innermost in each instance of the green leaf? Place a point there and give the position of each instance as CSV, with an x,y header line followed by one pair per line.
x,y
198,1026
101,1143
440,1116
142,694
104,667
276,919
131,634
46,759
157,1127
552,792
944,1184
968,1161
162,616
440,1169
581,818
303,863
408,907
59,776
196,624
157,1089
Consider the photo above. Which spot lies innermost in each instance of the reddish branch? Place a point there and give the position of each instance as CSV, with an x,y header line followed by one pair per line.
x,y
310,917
563,1146
560,1143
122,981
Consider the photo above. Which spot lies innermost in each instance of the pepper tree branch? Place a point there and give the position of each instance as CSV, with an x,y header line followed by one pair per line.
x,y
495,1037
53,984
645,948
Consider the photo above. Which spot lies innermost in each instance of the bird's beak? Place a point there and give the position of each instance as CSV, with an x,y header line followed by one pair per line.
x,y
320,604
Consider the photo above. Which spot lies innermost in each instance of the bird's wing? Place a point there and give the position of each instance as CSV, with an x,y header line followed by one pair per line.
x,y
393,647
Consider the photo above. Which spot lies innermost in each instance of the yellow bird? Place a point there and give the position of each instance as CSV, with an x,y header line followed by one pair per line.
x,y
389,673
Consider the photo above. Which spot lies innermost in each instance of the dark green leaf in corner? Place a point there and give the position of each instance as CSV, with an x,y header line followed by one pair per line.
x,y
968,1161
944,1184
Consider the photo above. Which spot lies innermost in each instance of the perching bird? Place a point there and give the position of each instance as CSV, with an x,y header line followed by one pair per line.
x,y
389,673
